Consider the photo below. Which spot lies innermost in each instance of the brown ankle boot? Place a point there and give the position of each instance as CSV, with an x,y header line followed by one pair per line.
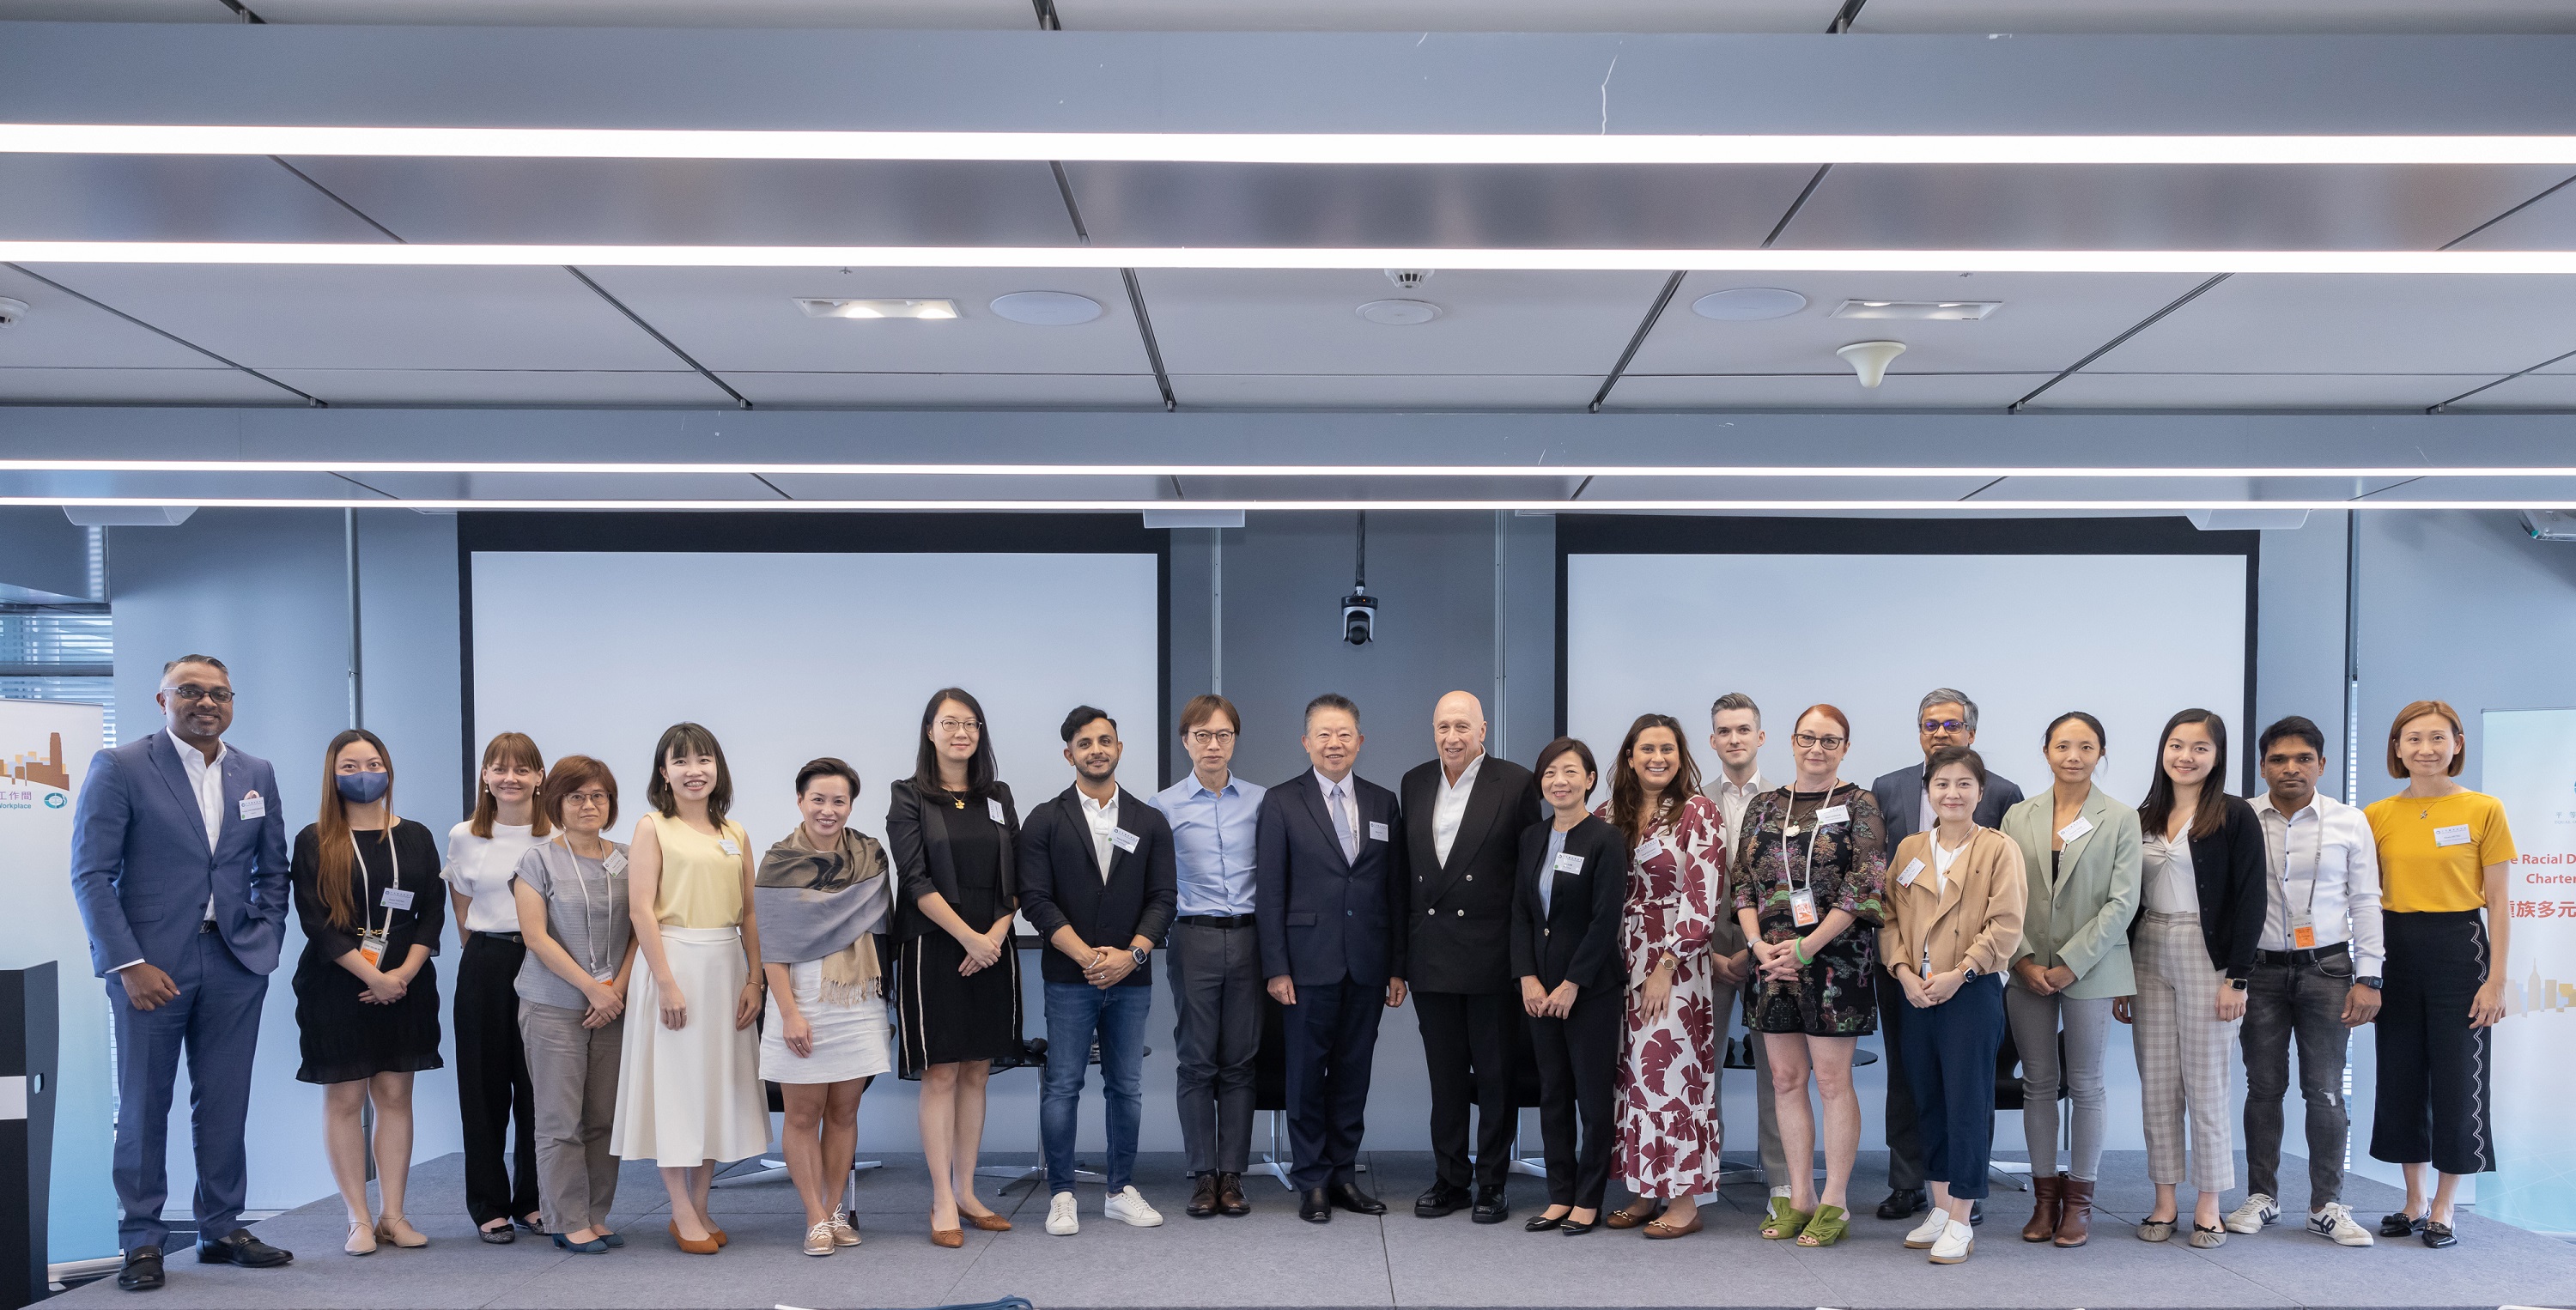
x,y
2043,1212
2075,1220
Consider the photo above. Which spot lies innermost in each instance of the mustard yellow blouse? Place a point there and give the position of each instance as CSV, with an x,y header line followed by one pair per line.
x,y
701,885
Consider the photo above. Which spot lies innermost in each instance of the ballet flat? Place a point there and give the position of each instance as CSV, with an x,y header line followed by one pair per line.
x,y
701,1246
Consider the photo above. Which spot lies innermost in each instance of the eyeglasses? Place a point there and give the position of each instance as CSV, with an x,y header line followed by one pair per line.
x,y
1205,737
1808,741
189,693
587,799
1943,725
959,725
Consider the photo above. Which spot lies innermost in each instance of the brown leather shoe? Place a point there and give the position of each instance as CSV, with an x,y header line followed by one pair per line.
x,y
988,1221
1229,1196
1202,1197
2044,1194
952,1238
2075,1204
1634,1213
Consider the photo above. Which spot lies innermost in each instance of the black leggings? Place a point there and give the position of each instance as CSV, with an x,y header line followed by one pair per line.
x,y
2433,1067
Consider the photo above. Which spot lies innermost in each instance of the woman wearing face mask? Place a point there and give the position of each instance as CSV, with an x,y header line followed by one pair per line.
x,y
823,896
688,1081
1954,919
1565,951
1676,878
366,997
493,1095
2079,855
2202,883
1809,874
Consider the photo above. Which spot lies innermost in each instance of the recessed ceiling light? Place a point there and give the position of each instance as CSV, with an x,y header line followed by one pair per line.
x,y
1046,308
1748,304
878,308
1399,313
1950,311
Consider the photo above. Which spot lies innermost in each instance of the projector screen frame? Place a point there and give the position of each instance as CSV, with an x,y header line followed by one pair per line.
x,y
821,532
1642,534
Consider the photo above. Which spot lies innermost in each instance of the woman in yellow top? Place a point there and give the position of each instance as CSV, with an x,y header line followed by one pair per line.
x,y
2443,853
688,1084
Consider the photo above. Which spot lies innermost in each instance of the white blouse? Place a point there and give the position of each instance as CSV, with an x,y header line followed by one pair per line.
x,y
2170,885
480,868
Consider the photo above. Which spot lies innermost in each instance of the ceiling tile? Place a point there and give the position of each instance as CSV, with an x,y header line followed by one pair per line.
x,y
1387,391
1003,14
1821,391
747,319
166,198
117,11
2302,323
65,331
212,385
961,389
2548,223
2217,16
1449,15
363,317
465,386
2544,390
1307,322
2092,390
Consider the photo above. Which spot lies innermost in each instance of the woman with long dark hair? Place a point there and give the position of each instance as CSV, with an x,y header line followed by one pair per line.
x,y
366,995
955,833
493,1094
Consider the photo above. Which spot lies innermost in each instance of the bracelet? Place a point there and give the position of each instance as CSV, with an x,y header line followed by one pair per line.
x,y
1798,950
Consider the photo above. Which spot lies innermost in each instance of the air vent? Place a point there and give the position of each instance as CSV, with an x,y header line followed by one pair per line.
x,y
1950,311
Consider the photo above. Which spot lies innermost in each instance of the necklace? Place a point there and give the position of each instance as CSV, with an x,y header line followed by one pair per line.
x,y
955,799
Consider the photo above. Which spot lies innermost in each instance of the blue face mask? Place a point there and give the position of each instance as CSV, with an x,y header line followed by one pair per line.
x,y
364,788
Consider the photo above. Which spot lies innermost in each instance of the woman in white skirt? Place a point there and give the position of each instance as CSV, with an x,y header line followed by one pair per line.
x,y
822,896
688,1087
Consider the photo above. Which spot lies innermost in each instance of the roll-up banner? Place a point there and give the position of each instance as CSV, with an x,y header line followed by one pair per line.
x,y
2528,761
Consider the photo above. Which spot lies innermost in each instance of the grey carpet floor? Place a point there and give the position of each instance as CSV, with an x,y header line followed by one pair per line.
x,y
1271,1259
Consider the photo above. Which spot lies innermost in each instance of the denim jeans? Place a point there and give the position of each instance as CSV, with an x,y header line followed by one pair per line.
x,y
2305,1002
1075,1013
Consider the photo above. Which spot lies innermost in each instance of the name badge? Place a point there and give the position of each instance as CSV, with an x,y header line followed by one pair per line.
x,y
2455,835
1649,848
1912,867
2076,829
993,806
614,865
1566,863
254,806
1377,831
396,899
371,948
1802,908
1833,814
1122,839
726,845
2303,933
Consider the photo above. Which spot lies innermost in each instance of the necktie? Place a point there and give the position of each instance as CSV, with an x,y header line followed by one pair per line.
x,y
1342,821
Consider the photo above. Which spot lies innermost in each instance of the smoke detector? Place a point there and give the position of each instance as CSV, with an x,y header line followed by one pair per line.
x,y
1408,279
11,310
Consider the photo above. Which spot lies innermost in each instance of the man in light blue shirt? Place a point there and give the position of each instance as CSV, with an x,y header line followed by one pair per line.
x,y
1214,956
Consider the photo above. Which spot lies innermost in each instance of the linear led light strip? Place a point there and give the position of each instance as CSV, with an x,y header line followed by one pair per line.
x,y
1274,147
1299,257
1232,470
1951,506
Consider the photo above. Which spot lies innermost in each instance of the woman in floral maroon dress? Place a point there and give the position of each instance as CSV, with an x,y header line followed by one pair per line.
x,y
1668,1075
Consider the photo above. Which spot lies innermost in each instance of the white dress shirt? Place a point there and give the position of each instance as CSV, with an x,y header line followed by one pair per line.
x,y
1449,806
2171,887
1732,801
1103,817
1350,810
206,780
2324,860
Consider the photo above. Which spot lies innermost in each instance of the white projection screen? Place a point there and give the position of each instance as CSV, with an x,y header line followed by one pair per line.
x,y
2130,638
791,655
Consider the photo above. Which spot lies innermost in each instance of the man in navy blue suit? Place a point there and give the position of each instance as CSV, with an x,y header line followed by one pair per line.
x,y
1329,885
179,865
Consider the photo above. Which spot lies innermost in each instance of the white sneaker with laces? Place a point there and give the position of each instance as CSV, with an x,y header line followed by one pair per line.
x,y
1957,1240
1127,1205
2251,1217
1928,1233
1061,1221
2334,1223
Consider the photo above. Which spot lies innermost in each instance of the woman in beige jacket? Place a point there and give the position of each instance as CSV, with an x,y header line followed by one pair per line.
x,y
1954,907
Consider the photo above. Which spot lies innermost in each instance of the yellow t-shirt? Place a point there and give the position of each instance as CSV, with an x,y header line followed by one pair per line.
x,y
2423,866
701,885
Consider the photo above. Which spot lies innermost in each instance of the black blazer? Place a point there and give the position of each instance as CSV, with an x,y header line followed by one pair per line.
x,y
2228,870
921,856
1459,921
1577,938
1324,919
1061,886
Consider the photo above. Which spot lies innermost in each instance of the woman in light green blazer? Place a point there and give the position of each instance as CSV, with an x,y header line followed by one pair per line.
x,y
2080,849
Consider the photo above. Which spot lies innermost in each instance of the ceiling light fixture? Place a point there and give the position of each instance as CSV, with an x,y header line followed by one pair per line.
x,y
1399,313
1947,505
1278,147
1979,472
877,308
1046,308
1936,311
1748,304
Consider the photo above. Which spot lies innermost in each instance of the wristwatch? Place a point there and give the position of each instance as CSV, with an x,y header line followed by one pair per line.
x,y
1139,952
2237,983
2371,983
1967,975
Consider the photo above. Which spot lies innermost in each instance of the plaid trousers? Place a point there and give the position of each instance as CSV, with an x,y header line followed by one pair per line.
x,y
2183,1053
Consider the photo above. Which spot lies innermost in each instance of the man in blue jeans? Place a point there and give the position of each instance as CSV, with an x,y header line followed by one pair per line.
x,y
1097,881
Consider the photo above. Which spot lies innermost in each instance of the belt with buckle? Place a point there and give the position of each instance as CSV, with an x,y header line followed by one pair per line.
x,y
1216,920
2302,959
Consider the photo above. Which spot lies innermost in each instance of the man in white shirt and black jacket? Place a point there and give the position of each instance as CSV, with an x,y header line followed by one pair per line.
x,y
1463,817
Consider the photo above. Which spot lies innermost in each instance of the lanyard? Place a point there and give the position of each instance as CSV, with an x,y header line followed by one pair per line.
x,y
1808,882
2315,864
590,943
366,908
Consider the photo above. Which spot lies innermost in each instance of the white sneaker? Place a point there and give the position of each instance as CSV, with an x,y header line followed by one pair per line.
x,y
1060,1217
1957,1240
2251,1217
1928,1232
1127,1205
2334,1223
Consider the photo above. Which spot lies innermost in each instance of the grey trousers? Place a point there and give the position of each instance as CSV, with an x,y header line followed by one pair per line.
x,y
2305,1001
574,1070
1775,1161
2035,1022
2182,1055
1216,1004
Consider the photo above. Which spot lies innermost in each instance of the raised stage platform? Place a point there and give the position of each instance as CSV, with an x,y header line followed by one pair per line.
x,y
1270,1258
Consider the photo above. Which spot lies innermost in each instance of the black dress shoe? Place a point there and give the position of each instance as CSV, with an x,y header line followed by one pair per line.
x,y
1542,1222
1349,1197
1492,1206
2400,1224
1314,1208
536,1226
1229,1196
2438,1236
142,1271
1903,1203
1573,1228
238,1247
1443,1200
1202,1197
1976,1213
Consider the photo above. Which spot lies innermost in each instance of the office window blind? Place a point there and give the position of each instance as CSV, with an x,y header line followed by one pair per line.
x,y
64,652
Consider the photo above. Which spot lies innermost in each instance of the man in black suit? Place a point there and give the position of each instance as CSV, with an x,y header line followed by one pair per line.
x,y
1946,718
1097,882
1463,817
1329,883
